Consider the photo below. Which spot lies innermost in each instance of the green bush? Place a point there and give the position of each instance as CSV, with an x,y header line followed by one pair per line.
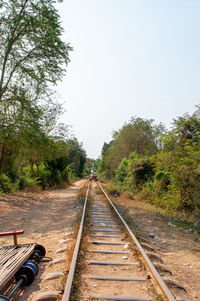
x,y
133,173
146,192
121,172
25,181
44,178
6,184
114,189
161,182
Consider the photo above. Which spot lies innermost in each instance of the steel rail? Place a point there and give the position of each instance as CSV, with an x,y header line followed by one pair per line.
x,y
68,285
166,292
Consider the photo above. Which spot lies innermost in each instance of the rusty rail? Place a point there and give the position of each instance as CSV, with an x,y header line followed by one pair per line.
x,y
166,292
68,286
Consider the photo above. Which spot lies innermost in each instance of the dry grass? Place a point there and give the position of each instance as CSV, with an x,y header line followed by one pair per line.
x,y
82,192
32,188
128,195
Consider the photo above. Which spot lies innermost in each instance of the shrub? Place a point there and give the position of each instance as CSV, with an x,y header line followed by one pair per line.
x,y
114,189
146,192
121,172
44,177
25,181
6,184
161,182
140,170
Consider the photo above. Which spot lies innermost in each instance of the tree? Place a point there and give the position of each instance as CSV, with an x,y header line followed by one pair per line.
x,y
32,56
32,51
186,129
138,135
105,148
24,128
77,155
89,166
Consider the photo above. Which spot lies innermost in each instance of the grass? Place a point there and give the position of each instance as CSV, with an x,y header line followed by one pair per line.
x,y
182,219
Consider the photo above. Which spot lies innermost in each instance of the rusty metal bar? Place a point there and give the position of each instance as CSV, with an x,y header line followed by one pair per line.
x,y
15,239
68,286
166,292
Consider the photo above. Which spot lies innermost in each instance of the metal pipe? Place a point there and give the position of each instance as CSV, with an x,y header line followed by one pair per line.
x,y
19,283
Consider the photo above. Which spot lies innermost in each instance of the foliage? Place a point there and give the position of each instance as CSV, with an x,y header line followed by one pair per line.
x,y
25,181
34,148
77,156
33,55
31,49
138,135
121,173
6,184
168,176
134,172
90,165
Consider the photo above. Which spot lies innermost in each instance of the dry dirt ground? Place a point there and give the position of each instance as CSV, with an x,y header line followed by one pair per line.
x,y
178,248
46,218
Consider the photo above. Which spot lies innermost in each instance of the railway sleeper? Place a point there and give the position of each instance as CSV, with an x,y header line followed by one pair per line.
x,y
173,283
161,267
120,298
154,256
110,278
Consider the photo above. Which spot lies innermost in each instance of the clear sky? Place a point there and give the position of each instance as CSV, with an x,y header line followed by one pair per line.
x,y
131,58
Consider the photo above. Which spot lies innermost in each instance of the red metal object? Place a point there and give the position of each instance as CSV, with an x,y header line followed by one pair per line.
x,y
15,233
11,233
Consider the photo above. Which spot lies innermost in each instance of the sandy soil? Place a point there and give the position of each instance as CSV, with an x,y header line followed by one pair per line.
x,y
46,218
178,248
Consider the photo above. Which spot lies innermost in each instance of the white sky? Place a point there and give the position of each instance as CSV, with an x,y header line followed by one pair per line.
x,y
131,58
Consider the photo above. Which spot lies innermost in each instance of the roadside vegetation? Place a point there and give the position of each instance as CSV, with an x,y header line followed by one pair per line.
x,y
160,166
90,165
35,149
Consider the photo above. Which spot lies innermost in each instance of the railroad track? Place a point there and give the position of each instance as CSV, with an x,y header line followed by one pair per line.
x,y
112,269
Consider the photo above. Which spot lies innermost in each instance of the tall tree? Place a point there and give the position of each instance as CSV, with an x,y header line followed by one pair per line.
x,y
32,52
32,57
138,135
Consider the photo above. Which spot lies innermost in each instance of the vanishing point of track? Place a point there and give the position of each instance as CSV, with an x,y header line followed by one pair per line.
x,y
104,225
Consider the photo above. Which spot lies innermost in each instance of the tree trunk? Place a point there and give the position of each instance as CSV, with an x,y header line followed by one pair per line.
x,y
3,152
32,169
37,164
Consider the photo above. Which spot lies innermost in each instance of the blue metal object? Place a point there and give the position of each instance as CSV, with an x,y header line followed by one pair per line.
x,y
27,272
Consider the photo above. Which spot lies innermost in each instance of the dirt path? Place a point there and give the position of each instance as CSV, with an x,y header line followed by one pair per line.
x,y
46,218
178,248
